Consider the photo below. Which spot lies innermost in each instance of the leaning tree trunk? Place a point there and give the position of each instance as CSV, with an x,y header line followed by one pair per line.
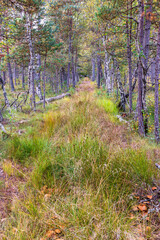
x,y
156,112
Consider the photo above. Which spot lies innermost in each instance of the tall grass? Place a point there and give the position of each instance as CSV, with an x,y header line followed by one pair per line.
x,y
79,183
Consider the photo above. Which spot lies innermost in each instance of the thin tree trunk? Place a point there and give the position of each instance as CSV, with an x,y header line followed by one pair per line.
x,y
107,74
15,74
93,68
140,85
121,90
98,71
23,78
129,56
57,81
73,72
44,83
4,77
156,113
69,61
1,116
31,75
10,72
5,94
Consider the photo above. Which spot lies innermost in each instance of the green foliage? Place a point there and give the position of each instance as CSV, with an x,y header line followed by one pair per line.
x,y
108,105
23,149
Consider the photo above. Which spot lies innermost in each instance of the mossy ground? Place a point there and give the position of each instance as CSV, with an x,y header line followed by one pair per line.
x,y
83,169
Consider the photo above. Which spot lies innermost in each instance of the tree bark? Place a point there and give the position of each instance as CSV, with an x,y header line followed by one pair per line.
x,y
98,70
31,70
52,99
140,86
10,72
129,56
93,68
44,83
23,78
156,112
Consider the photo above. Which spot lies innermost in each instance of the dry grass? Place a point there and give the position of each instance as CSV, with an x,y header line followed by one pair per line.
x,y
85,169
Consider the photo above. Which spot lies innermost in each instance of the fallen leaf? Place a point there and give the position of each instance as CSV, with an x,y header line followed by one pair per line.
x,y
154,188
142,207
136,197
47,197
149,196
135,208
58,231
146,202
50,233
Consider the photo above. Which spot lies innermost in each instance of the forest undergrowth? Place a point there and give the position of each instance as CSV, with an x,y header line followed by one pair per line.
x,y
80,174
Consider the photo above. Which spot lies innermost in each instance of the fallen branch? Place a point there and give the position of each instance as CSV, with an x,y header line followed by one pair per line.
x,y
52,99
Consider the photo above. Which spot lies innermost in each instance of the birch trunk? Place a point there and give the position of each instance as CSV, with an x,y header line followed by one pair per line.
x,y
31,67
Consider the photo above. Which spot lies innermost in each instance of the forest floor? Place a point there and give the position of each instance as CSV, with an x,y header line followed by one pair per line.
x,y
75,172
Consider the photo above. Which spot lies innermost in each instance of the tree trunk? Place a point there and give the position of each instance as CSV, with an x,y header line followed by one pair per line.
x,y
44,83
15,74
4,77
129,56
107,74
121,90
156,113
140,85
10,72
57,81
73,72
93,68
98,71
23,78
31,67
5,94
69,60
1,116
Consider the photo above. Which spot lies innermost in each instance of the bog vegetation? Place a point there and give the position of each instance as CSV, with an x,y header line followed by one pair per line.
x,y
79,117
